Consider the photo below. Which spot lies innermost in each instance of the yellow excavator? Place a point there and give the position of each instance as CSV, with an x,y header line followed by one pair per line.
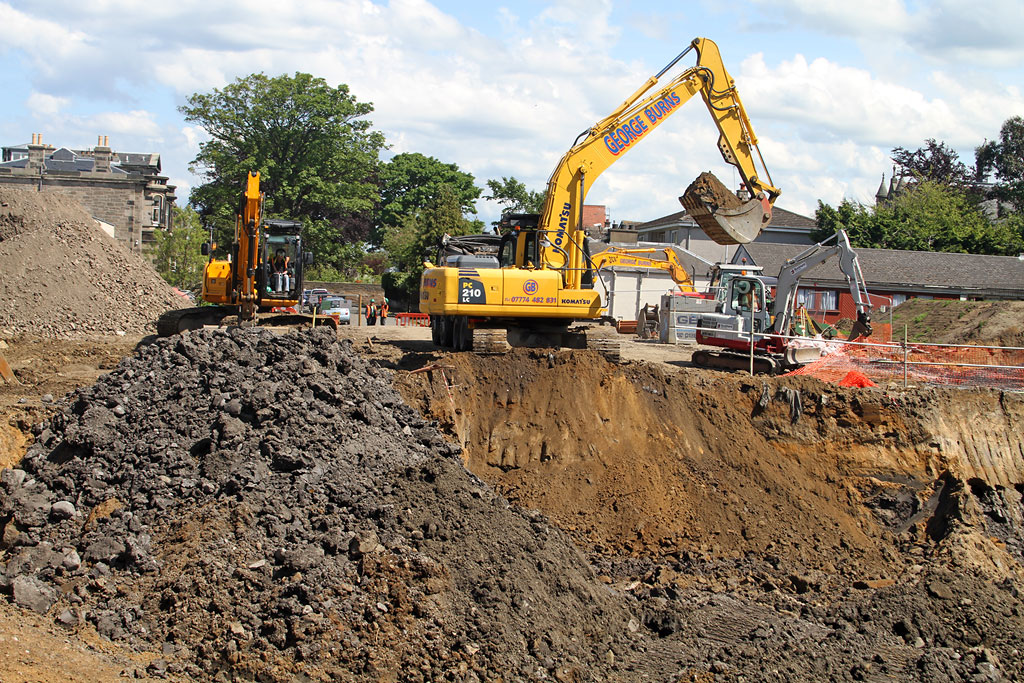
x,y
263,272
542,279
642,258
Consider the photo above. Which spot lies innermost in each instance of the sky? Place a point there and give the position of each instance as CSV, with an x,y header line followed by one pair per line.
x,y
503,89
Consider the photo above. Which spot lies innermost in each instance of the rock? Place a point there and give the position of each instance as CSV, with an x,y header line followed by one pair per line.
x,y
62,509
938,589
71,560
31,593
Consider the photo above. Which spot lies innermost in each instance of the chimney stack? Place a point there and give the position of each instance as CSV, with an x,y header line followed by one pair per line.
x,y
35,151
101,155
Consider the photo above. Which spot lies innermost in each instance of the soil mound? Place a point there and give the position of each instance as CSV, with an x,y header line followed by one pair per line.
x,y
985,323
268,506
64,277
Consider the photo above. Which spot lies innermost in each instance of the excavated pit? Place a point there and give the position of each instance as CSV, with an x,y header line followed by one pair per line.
x,y
242,506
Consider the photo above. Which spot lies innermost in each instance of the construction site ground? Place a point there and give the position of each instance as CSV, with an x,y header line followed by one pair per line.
x,y
668,523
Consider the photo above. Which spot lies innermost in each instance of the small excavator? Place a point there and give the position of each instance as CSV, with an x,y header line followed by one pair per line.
x,y
744,302
542,279
263,272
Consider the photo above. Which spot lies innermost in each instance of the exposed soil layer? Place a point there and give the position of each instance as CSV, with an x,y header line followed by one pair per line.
x,y
64,277
237,505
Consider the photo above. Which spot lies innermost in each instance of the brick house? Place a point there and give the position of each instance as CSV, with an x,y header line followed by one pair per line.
x,y
892,276
124,190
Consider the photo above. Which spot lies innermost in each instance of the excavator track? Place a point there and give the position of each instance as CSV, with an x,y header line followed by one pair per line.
x,y
611,349
184,319
490,342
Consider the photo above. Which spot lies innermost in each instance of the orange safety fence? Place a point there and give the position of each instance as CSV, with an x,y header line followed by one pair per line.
x,y
954,365
412,319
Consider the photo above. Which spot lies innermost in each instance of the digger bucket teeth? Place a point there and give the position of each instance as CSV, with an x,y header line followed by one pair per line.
x,y
722,215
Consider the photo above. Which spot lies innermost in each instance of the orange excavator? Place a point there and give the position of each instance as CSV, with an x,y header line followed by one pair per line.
x,y
263,272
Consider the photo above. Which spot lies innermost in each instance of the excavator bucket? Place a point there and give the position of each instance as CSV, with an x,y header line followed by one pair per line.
x,y
861,328
721,214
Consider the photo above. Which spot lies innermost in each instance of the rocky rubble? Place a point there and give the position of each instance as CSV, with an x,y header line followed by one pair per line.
x,y
268,506
64,277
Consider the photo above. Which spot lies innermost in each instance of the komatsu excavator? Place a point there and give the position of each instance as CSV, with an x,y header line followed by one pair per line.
x,y
263,272
543,277
745,303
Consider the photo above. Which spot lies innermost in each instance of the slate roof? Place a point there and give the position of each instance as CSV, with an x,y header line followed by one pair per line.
x,y
893,269
63,160
781,218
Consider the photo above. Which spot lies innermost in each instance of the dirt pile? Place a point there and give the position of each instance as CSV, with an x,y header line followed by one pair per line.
x,y
268,506
64,277
986,323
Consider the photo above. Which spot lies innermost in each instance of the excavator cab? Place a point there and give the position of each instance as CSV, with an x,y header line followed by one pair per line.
x,y
281,261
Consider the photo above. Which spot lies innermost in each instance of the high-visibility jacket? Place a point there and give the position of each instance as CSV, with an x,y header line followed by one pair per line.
x,y
371,311
384,308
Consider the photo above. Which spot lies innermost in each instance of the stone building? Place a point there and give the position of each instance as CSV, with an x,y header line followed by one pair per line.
x,y
124,191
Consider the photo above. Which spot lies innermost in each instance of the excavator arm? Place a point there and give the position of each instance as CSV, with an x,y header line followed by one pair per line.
x,y
794,268
607,140
247,230
637,258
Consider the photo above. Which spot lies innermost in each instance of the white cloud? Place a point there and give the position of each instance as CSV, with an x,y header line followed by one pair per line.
x,y
41,104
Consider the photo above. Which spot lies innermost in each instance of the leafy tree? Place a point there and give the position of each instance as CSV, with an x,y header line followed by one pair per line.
x,y
928,217
935,162
411,181
418,237
513,196
311,143
1006,158
178,257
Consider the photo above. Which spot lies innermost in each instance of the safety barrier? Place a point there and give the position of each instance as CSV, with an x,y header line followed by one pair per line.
x,y
412,319
866,363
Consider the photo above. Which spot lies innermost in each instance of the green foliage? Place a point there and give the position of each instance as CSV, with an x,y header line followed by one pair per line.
x,y
178,258
315,151
513,196
417,239
927,217
411,181
1006,158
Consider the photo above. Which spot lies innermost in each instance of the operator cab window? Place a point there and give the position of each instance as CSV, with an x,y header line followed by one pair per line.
x,y
746,295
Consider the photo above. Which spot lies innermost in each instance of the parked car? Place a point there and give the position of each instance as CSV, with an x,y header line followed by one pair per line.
x,y
337,307
311,298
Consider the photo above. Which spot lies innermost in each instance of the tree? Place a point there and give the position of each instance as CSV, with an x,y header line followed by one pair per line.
x,y
315,151
418,237
928,217
178,257
411,181
935,162
1006,158
513,196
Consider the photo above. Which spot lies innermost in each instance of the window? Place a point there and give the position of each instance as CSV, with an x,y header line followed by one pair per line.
x,y
818,299
897,299
158,209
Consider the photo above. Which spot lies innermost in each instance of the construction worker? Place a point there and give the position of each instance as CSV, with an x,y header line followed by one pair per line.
x,y
280,264
384,309
371,313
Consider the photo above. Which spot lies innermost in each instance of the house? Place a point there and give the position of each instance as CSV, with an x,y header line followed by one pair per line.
x,y
892,276
125,190
680,229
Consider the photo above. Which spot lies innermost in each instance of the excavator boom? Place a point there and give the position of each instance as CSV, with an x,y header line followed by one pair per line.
x,y
723,216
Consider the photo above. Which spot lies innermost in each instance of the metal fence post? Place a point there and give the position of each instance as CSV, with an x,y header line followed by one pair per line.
x,y
906,353
751,336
